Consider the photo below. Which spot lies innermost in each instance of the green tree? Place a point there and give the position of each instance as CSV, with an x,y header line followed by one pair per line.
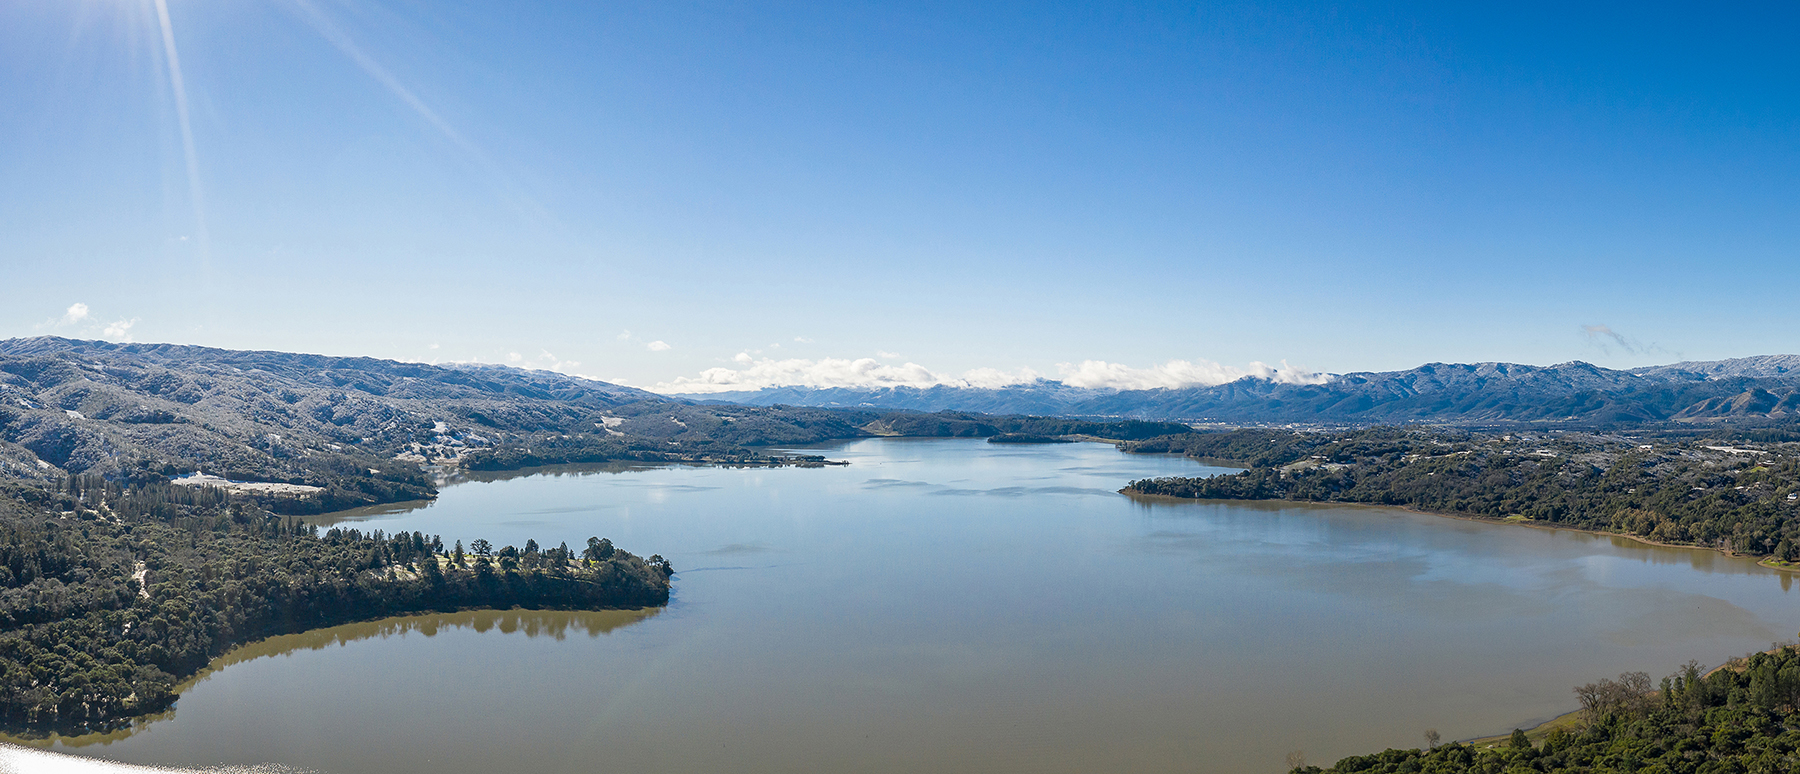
x,y
598,549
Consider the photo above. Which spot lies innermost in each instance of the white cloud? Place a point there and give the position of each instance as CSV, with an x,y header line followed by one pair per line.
x,y
1099,374
756,374
77,312
803,339
834,372
994,378
657,346
1289,374
514,357
625,335
120,329
887,355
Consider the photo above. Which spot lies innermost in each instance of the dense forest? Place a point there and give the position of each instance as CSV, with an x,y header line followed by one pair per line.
x,y
111,594
1724,492
1743,718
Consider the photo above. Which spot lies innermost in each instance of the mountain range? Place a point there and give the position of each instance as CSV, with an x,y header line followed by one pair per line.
x,y
1761,387
363,430
359,429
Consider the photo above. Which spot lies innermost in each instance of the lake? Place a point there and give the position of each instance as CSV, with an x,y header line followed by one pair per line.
x,y
958,606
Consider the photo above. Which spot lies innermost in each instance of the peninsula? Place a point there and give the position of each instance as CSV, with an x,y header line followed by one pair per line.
x,y
1732,489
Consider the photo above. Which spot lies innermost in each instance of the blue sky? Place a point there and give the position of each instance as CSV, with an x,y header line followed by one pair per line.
x,y
785,188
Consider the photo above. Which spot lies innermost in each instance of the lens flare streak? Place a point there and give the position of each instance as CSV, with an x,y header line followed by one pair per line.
x,y
195,192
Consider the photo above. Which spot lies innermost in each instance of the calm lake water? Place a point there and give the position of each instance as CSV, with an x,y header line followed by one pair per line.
x,y
958,606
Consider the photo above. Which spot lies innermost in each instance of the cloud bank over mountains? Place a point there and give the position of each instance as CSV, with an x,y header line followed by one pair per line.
x,y
1099,374
756,374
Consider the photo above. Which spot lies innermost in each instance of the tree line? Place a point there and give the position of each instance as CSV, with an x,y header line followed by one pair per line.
x,y
1685,492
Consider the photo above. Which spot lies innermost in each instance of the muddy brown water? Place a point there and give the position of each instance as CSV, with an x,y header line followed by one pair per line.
x,y
958,606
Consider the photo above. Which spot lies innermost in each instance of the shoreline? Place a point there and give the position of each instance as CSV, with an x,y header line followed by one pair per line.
x,y
1537,731
1520,521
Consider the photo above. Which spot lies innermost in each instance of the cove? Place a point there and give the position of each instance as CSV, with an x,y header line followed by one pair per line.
x,y
953,605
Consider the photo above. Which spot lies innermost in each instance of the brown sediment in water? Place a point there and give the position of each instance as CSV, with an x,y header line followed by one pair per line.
x,y
1570,719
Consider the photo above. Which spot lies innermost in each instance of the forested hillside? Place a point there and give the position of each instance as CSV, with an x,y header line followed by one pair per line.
x,y
110,595
336,433
341,432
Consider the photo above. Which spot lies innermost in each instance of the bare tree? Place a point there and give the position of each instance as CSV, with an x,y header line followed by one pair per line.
x,y
1431,738
1630,694
1296,760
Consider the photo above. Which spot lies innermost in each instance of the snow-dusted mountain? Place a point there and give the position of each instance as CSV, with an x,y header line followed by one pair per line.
x,y
1767,385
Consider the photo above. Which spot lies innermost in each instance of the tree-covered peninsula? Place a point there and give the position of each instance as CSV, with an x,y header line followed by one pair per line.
x,y
1733,490
111,594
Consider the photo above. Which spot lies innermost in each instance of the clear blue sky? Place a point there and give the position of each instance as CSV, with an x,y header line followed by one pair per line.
x,y
959,185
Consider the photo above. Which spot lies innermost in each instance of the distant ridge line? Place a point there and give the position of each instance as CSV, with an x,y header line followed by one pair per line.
x,y
1757,387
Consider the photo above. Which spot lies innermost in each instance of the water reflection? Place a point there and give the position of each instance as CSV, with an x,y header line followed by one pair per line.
x,y
454,477
554,624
